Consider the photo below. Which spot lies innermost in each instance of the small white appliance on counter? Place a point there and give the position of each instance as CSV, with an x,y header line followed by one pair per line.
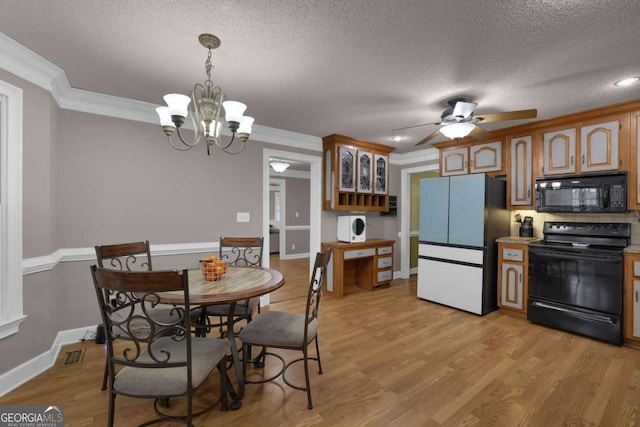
x,y
352,228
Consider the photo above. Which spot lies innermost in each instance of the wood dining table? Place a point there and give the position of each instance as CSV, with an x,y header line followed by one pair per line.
x,y
237,284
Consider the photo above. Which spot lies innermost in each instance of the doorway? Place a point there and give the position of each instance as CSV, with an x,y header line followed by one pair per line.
x,y
314,208
406,234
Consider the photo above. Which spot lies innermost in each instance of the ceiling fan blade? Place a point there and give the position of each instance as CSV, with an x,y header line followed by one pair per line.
x,y
508,115
463,109
429,137
480,134
416,126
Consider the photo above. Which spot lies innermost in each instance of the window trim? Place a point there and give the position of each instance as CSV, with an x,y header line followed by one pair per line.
x,y
11,283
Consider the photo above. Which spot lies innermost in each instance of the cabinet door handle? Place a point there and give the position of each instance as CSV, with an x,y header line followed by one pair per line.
x,y
528,193
583,159
465,164
571,161
520,277
636,296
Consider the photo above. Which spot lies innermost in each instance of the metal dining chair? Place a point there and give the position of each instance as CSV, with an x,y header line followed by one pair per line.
x,y
291,331
162,360
235,251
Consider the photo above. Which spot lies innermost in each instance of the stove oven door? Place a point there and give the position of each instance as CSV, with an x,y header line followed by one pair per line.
x,y
576,290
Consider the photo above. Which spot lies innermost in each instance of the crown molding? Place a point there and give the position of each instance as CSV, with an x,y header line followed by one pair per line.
x,y
427,155
18,60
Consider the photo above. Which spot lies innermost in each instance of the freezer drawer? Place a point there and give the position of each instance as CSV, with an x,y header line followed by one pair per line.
x,y
455,285
444,253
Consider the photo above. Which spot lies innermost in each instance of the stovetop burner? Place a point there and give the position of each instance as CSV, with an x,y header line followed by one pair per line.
x,y
585,236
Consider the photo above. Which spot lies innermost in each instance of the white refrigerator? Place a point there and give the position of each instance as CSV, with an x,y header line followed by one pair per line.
x,y
460,219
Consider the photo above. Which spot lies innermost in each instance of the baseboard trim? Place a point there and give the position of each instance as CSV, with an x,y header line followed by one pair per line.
x,y
30,369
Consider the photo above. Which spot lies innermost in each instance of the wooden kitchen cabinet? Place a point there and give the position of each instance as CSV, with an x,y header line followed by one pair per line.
x,y
475,158
454,161
633,181
595,145
520,172
559,152
512,277
631,327
355,174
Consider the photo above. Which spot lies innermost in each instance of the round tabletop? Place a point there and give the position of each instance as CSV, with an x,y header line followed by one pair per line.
x,y
237,284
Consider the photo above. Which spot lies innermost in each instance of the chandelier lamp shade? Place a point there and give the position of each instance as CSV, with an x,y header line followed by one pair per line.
x,y
279,166
457,130
204,107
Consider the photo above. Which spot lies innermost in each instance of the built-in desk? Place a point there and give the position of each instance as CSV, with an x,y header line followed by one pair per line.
x,y
367,264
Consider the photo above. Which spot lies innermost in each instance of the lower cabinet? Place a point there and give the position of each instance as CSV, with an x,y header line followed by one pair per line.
x,y
512,277
631,329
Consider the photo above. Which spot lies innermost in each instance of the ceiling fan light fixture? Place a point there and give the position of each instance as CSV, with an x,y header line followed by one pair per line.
x,y
457,130
279,166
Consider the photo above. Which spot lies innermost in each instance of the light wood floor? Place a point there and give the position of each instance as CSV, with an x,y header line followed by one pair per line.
x,y
391,359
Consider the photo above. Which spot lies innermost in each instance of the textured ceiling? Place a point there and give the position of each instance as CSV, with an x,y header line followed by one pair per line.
x,y
354,67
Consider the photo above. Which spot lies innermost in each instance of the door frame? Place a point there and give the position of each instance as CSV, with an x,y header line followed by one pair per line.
x,y
405,216
315,198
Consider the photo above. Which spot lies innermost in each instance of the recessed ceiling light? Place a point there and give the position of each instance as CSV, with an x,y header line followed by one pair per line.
x,y
397,138
628,82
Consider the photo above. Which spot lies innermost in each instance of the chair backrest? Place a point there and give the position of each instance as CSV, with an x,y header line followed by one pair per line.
x,y
134,256
241,251
153,346
315,287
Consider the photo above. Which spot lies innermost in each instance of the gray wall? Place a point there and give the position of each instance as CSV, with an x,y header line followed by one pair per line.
x,y
92,180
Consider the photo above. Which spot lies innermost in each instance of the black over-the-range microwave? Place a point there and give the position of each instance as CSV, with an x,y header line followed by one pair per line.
x,y
582,193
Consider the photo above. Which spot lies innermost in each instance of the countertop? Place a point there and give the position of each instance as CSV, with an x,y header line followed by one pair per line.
x,y
519,240
632,249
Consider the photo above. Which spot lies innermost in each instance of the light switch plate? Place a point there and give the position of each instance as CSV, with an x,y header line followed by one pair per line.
x,y
242,217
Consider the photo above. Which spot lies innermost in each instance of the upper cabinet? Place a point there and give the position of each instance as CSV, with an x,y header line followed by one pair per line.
x,y
589,146
472,158
520,172
355,174
559,152
633,181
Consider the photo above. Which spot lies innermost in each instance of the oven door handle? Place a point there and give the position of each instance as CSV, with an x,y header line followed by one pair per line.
x,y
574,256
592,317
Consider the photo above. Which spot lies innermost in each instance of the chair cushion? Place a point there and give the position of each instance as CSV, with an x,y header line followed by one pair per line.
x,y
242,309
205,355
223,310
278,329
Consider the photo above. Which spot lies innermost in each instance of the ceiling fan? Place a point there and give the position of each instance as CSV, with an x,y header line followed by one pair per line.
x,y
458,120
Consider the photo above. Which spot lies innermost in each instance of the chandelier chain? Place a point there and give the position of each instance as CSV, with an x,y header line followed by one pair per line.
x,y
208,66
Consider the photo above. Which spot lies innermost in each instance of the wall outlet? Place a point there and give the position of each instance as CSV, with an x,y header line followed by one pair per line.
x,y
293,246
242,217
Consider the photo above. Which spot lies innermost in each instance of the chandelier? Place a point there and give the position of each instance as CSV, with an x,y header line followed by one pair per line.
x,y
206,102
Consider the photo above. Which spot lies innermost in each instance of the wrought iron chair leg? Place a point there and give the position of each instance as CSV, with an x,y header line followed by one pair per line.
x,y
306,378
318,353
104,378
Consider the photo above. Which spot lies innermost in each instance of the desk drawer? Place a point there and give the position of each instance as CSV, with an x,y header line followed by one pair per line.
x,y
385,276
359,253
385,250
384,262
